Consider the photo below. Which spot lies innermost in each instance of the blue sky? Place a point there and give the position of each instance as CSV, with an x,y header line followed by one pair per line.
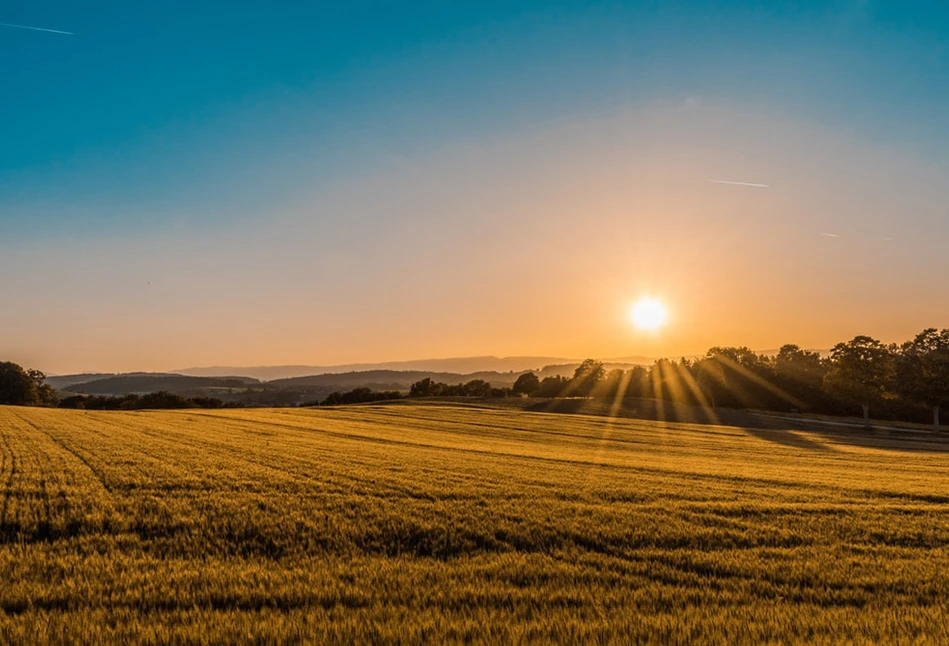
x,y
161,120
160,103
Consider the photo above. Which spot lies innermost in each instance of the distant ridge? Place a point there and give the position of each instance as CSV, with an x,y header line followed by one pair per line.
x,y
140,383
456,365
64,382
391,374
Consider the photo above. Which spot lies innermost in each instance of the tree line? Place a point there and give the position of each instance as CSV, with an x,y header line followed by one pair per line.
x,y
907,381
157,400
426,387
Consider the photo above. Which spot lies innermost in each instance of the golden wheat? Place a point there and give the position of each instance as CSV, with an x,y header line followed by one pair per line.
x,y
449,523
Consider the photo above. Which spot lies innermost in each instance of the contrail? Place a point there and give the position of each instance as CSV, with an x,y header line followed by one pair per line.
x,y
830,235
725,181
51,31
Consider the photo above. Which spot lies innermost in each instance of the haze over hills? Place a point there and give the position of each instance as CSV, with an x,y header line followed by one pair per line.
x,y
63,382
499,371
314,384
141,383
68,382
456,365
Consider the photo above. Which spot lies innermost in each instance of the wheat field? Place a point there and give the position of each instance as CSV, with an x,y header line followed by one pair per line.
x,y
451,523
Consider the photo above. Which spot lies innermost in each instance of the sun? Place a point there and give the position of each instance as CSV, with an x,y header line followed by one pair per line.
x,y
648,314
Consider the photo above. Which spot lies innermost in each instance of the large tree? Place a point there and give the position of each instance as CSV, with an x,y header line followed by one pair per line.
x,y
800,373
737,376
860,371
797,365
585,378
526,384
44,392
922,370
17,386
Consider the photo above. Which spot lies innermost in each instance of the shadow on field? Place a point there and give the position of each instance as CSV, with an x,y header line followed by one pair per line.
x,y
788,438
781,429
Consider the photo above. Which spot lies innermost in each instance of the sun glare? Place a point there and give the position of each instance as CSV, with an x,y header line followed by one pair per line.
x,y
648,314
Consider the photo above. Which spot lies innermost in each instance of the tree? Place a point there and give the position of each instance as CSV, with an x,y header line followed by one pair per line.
x,y
637,379
164,399
45,393
17,387
424,388
526,384
800,373
793,364
587,375
922,370
611,385
737,376
477,388
860,371
741,356
710,377
335,398
553,386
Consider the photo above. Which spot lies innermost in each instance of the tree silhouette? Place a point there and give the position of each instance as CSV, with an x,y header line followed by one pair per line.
x,y
800,373
17,387
586,377
860,371
553,386
922,370
424,388
526,384
477,388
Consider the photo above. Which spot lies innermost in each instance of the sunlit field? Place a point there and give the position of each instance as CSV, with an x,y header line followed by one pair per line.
x,y
435,523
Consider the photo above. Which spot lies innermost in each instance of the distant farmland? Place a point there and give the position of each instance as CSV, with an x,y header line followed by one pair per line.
x,y
434,523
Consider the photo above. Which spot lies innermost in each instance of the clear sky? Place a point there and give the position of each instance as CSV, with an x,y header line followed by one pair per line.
x,y
245,183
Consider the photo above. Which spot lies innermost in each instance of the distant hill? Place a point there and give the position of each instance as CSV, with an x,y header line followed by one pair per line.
x,y
250,391
398,375
392,379
258,385
63,382
147,383
402,379
67,382
459,366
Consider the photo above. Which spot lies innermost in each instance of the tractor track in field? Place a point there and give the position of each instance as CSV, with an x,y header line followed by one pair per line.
x,y
176,441
76,454
98,473
42,524
240,453
8,485
43,512
12,527
174,444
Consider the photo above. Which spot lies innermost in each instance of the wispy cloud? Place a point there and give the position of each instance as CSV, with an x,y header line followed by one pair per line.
x,y
733,183
830,235
49,31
